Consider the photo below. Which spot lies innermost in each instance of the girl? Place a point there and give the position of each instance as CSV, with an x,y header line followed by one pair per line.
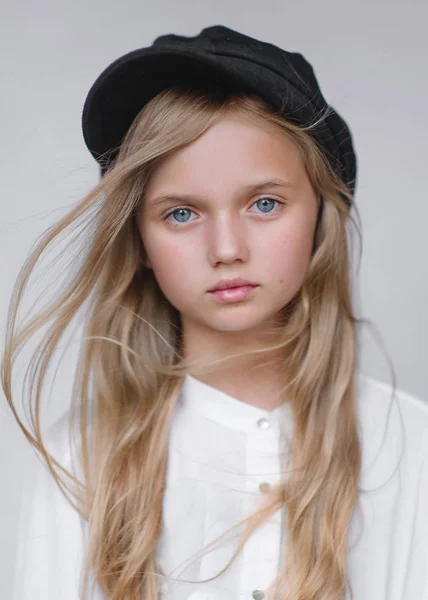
x,y
221,441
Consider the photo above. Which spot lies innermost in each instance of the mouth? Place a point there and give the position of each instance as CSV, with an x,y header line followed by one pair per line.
x,y
235,282
234,294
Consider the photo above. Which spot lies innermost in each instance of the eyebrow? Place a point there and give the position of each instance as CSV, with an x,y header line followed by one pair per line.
x,y
247,189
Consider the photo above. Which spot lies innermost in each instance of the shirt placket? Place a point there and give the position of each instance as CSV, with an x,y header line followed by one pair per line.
x,y
261,553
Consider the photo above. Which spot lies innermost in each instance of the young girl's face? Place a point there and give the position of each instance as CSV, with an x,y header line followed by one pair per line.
x,y
224,229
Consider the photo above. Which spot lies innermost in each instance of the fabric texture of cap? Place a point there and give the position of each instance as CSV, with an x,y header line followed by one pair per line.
x,y
218,58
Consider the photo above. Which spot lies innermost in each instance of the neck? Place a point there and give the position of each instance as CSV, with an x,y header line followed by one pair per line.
x,y
255,378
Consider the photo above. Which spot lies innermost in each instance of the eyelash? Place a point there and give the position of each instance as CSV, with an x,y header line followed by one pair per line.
x,y
177,223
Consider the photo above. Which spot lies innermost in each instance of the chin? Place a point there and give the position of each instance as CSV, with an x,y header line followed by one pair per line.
x,y
236,323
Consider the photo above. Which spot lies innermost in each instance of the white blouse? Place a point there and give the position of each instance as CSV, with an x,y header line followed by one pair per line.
x,y
223,456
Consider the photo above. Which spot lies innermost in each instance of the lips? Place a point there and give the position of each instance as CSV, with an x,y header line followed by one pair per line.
x,y
234,294
236,282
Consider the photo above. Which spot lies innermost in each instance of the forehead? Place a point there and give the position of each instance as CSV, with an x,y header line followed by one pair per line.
x,y
228,153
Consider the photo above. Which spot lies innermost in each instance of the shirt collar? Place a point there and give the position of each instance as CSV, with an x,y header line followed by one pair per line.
x,y
231,412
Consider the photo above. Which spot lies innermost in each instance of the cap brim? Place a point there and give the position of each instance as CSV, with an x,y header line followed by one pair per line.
x,y
124,87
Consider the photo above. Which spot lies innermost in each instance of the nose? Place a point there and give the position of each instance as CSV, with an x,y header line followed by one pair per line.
x,y
227,240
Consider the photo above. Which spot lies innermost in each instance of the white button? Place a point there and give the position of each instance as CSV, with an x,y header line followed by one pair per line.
x,y
258,594
264,487
263,423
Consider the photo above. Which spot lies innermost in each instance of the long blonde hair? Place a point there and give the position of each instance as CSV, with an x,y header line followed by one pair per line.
x,y
130,368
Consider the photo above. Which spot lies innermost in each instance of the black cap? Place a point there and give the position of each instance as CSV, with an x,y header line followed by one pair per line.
x,y
216,58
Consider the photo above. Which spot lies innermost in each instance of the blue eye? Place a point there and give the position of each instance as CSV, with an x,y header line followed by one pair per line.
x,y
180,212
265,202
268,200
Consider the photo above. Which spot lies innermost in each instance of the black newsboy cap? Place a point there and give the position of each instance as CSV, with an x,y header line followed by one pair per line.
x,y
218,58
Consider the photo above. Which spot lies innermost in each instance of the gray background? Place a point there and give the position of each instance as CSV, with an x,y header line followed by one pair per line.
x,y
371,60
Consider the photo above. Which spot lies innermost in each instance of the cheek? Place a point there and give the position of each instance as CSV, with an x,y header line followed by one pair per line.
x,y
289,257
173,266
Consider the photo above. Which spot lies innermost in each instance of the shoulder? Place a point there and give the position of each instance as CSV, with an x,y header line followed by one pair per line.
x,y
50,532
375,397
392,422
